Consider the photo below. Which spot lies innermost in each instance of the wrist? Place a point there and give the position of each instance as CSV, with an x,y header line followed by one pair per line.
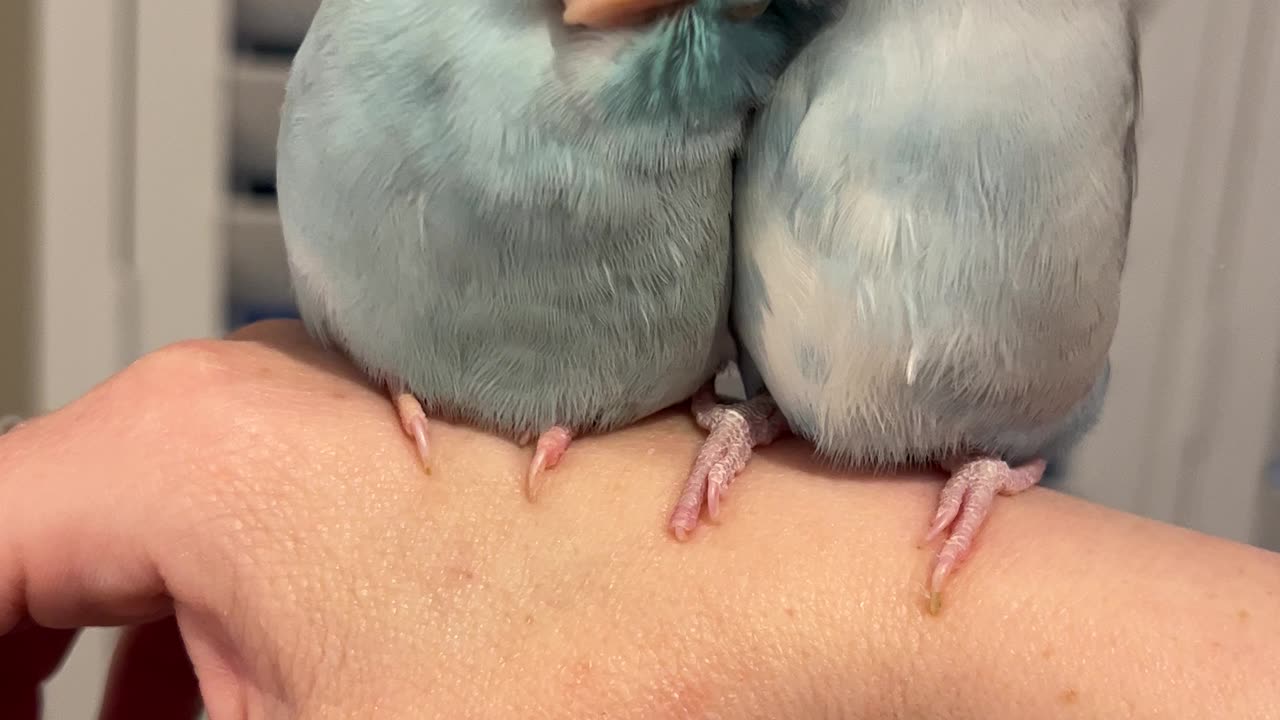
x,y
808,592
839,582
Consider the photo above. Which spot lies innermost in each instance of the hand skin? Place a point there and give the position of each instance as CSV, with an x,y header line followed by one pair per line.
x,y
262,492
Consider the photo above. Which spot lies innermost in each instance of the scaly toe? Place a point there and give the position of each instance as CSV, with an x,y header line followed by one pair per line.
x,y
734,432
963,507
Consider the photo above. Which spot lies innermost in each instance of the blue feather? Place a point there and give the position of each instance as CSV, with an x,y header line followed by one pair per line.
x,y
524,224
931,221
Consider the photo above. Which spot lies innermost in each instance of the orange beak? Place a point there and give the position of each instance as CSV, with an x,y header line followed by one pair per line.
x,y
616,13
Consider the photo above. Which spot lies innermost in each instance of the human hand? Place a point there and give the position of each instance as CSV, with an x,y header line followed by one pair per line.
x,y
260,492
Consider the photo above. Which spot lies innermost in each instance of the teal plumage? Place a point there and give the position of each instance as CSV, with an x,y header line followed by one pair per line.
x,y
523,225
931,220
932,217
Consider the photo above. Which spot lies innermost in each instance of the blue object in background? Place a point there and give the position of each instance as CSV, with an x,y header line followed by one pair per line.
x,y
240,314
1056,473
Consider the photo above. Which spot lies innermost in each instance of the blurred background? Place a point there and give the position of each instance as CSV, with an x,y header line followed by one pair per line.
x,y
137,208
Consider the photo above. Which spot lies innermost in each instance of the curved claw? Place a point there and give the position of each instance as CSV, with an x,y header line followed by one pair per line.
x,y
552,446
964,505
721,477
688,509
735,430
414,422
534,479
953,495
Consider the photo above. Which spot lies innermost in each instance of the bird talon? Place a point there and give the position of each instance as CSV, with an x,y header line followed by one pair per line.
x,y
733,433
413,420
552,445
963,507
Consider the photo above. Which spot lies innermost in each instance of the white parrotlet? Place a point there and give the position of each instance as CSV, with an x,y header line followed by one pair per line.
x,y
515,220
931,222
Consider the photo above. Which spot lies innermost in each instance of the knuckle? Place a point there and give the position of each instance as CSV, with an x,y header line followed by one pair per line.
x,y
200,377
185,389
198,355
187,363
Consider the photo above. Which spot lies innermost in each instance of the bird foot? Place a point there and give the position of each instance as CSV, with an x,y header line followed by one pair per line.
x,y
735,430
963,507
552,445
414,422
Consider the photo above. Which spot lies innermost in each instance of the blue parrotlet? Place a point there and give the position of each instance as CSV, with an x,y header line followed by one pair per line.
x,y
516,213
931,219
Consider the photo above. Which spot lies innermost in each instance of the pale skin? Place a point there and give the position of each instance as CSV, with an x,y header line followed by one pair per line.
x,y
261,490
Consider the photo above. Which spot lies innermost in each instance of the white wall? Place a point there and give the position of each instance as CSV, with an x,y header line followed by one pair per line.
x,y
130,118
1185,433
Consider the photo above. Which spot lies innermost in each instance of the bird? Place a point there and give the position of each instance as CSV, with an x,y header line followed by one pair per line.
x,y
515,214
931,219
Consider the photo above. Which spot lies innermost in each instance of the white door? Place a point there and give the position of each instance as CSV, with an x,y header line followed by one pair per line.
x,y
1186,431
